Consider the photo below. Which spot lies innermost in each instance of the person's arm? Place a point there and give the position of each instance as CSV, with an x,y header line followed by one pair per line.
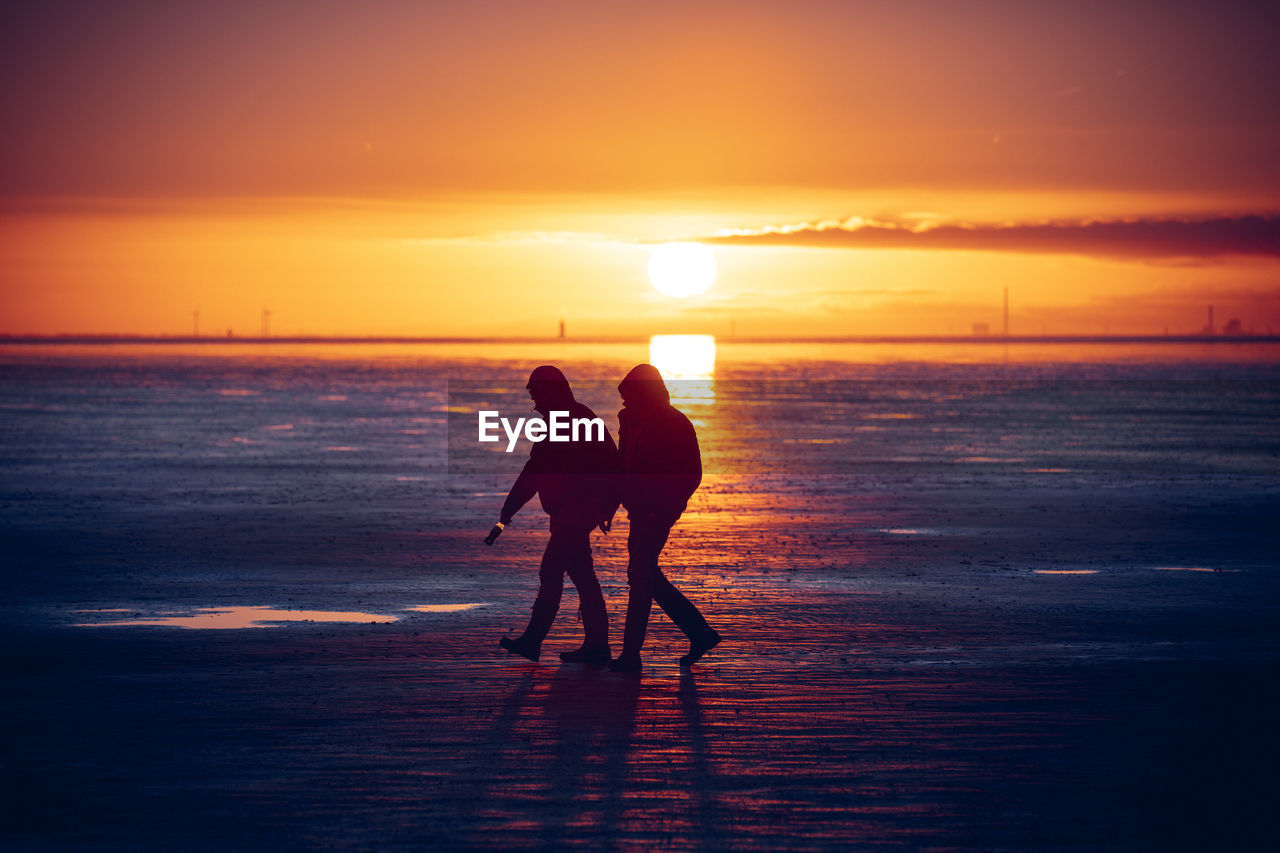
x,y
612,481
525,487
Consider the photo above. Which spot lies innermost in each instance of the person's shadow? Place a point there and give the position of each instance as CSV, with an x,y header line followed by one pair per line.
x,y
701,772
562,754
555,754
590,715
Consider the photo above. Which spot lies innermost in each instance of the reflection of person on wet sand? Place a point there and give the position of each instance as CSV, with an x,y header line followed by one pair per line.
x,y
662,467
576,483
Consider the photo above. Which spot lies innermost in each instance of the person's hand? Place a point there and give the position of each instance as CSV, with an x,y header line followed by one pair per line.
x,y
495,532
606,526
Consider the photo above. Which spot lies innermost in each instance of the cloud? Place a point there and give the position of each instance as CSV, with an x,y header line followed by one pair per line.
x,y
522,237
1131,239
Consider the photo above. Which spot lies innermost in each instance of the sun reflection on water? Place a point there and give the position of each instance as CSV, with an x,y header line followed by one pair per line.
x,y
687,363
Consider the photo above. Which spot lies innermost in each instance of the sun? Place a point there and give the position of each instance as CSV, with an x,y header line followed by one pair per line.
x,y
682,269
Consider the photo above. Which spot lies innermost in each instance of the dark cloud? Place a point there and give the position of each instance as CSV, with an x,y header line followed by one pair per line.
x,y
1151,239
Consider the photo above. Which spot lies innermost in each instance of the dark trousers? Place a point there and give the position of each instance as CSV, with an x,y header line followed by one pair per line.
x,y
569,552
648,584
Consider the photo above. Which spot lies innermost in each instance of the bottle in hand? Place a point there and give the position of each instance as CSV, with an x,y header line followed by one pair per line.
x,y
494,533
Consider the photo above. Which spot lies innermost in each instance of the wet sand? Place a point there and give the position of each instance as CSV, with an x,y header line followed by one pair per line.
x,y
967,706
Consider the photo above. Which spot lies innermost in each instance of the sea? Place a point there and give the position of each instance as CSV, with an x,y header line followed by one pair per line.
x,y
145,477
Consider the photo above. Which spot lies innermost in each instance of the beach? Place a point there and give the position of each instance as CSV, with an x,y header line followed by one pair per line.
x,y
971,599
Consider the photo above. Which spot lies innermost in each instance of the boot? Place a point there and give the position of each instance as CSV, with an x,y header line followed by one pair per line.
x,y
699,646
587,653
529,644
521,646
625,663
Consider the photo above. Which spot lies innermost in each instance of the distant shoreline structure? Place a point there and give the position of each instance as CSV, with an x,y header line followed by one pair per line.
x,y
985,340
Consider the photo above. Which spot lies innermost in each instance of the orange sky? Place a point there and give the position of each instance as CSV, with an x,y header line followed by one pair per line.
x,y
477,169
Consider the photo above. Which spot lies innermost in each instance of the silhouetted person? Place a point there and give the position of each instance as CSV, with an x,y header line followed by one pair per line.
x,y
576,482
661,469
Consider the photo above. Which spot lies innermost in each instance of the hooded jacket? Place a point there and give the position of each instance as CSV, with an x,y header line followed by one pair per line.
x,y
661,462
574,476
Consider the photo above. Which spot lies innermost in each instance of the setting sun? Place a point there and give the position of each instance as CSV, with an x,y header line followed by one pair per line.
x,y
682,269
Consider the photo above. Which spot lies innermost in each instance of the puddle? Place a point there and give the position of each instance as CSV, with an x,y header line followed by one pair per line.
x,y
250,617
233,617
909,531
1193,569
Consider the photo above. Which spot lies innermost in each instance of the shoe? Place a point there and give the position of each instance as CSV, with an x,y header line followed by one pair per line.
x,y
699,647
625,663
596,655
519,647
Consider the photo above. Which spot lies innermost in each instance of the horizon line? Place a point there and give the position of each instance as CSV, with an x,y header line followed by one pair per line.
x,y
105,339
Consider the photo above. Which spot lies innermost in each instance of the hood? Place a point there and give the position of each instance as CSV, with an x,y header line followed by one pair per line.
x,y
643,387
550,389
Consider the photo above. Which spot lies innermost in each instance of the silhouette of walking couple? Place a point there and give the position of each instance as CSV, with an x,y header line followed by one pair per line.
x,y
652,472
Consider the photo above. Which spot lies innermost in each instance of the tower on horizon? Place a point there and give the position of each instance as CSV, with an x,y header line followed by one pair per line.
x,y
1208,330
562,327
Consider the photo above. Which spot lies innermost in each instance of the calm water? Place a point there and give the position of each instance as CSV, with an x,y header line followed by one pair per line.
x,y
240,460
161,414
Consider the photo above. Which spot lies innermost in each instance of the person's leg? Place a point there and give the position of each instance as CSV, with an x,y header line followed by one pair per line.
x,y
568,551
644,544
550,588
547,603
595,619
681,610
702,637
